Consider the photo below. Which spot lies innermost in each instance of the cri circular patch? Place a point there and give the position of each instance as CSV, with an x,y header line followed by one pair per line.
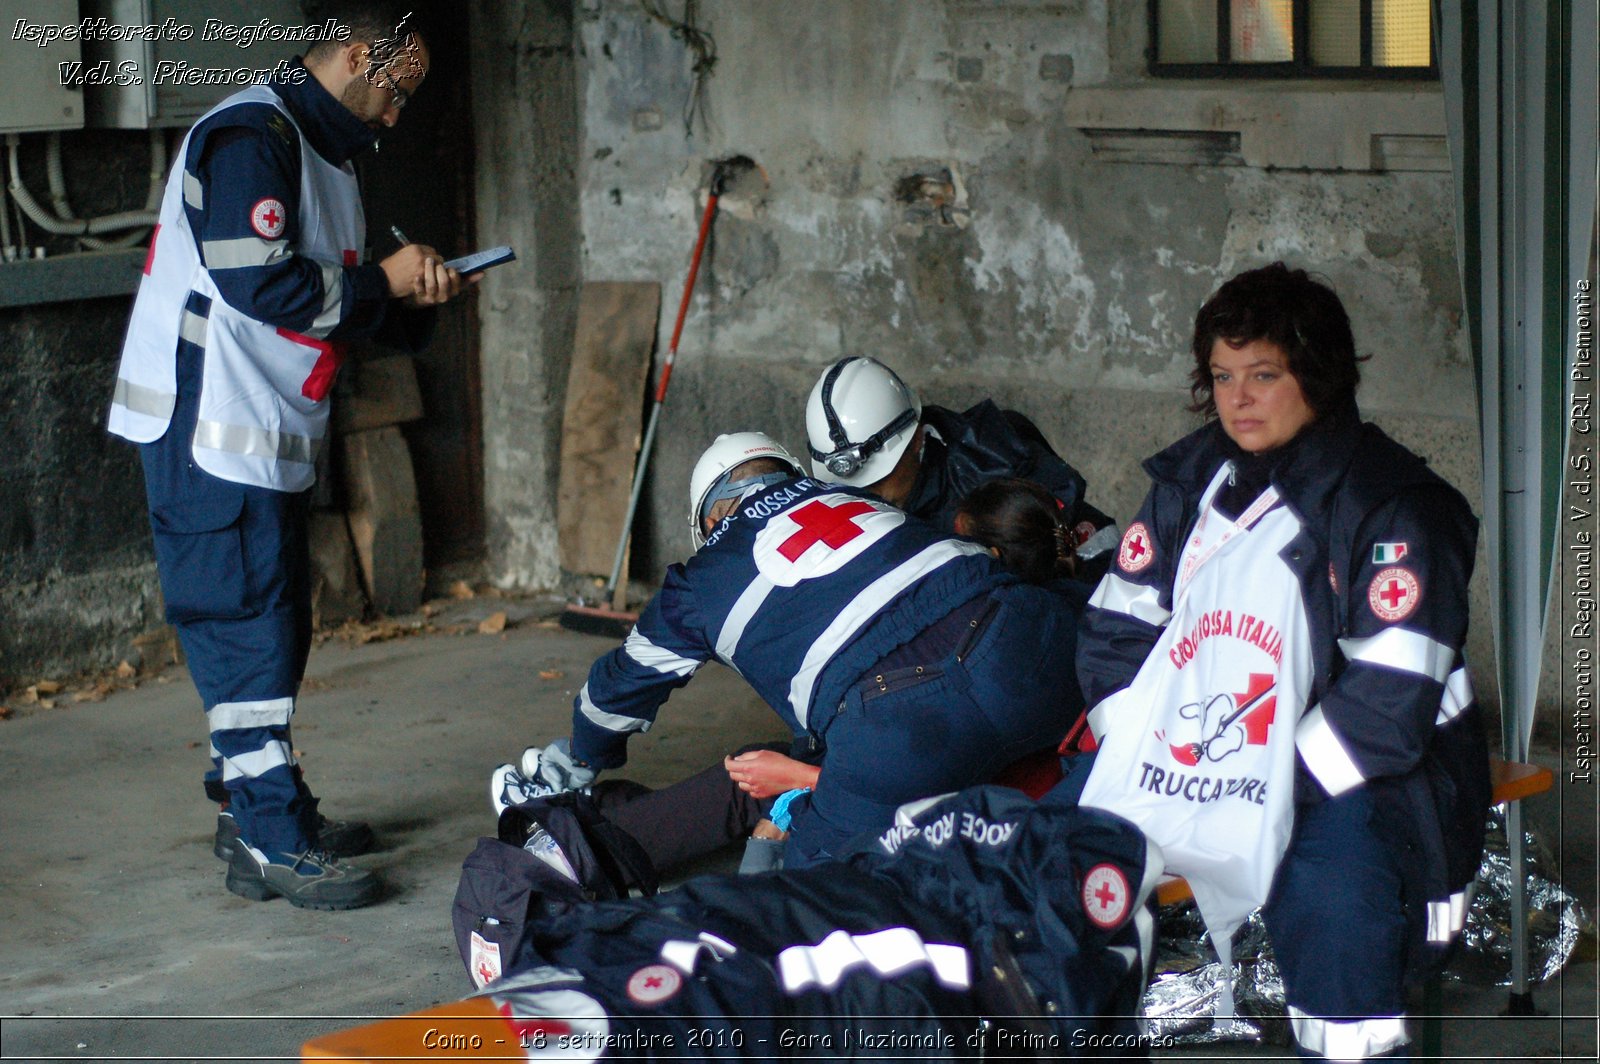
x,y
654,983
1105,896
268,218
1136,551
1394,593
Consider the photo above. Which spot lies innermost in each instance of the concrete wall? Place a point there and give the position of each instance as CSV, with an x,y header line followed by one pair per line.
x,y
526,126
77,581
1087,210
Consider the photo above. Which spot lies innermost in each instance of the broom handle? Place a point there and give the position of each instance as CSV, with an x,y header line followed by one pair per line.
x,y
661,391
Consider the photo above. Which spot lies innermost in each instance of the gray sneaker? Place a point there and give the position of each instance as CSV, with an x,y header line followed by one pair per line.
x,y
509,787
337,838
311,880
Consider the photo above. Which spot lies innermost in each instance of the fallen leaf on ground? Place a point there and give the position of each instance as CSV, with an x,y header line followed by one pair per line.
x,y
493,624
461,590
5,712
126,670
551,674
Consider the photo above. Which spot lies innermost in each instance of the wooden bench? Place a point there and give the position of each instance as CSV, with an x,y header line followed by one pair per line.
x,y
1511,781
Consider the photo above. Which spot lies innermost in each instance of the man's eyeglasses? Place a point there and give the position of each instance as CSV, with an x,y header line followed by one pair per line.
x,y
401,96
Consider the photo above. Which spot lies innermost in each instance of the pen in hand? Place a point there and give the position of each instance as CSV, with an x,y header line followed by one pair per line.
x,y
398,235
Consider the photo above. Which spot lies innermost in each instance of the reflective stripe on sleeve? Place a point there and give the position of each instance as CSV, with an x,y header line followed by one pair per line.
x,y
1447,918
611,722
1350,1040
1457,696
887,952
738,618
267,713
193,192
641,650
240,439
332,301
1325,755
1135,600
192,327
1404,649
142,400
243,252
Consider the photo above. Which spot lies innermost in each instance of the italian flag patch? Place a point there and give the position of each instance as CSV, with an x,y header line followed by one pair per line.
x,y
1387,553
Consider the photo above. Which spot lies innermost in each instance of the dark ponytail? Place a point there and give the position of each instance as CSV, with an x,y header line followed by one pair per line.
x,y
1022,521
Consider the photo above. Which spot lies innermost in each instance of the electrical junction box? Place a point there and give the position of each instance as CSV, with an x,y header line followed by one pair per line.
x,y
34,98
164,63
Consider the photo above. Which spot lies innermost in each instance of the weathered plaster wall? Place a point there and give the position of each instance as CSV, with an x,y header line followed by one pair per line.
x,y
1059,274
1061,278
1070,278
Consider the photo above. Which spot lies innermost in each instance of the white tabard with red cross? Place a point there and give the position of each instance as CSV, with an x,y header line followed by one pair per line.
x,y
1199,750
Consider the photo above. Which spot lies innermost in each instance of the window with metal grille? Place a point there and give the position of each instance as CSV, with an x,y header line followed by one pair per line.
x,y
1292,38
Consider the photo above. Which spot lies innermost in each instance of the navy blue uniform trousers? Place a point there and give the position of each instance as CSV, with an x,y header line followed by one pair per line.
x,y
236,575
1337,918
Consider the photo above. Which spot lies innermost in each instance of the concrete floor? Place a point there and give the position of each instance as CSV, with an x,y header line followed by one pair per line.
x,y
118,940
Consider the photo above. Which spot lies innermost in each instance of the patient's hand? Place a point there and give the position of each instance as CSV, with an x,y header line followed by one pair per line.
x,y
766,773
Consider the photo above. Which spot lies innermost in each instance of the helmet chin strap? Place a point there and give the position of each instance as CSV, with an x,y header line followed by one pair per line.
x,y
733,489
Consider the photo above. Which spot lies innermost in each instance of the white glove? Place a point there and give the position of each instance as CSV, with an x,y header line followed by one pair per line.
x,y
555,766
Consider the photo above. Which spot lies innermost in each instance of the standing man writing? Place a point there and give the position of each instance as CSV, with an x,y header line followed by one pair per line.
x,y
253,287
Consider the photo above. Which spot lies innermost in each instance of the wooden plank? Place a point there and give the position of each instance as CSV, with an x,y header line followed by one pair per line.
x,y
384,392
336,594
1514,780
474,1029
601,427
384,522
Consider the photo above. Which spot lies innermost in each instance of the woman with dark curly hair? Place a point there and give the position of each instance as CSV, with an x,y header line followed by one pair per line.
x,y
1274,669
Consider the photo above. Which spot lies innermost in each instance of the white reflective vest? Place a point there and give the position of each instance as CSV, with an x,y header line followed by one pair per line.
x,y
263,410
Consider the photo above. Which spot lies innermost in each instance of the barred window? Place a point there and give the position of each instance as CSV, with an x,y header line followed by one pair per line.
x,y
1292,38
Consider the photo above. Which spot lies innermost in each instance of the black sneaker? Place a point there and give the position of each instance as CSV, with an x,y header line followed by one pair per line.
x,y
336,838
311,880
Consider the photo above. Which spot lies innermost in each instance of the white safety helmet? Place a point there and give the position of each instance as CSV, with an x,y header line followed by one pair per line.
x,y
859,420
709,482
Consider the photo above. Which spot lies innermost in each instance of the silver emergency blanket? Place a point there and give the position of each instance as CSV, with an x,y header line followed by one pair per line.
x,y
1181,1000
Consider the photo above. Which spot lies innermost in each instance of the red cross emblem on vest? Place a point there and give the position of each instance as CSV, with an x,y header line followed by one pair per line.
x,y
1105,895
1394,593
267,218
819,522
1136,551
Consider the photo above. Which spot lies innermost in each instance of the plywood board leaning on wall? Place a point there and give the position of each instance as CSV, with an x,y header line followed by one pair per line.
x,y
601,426
384,521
